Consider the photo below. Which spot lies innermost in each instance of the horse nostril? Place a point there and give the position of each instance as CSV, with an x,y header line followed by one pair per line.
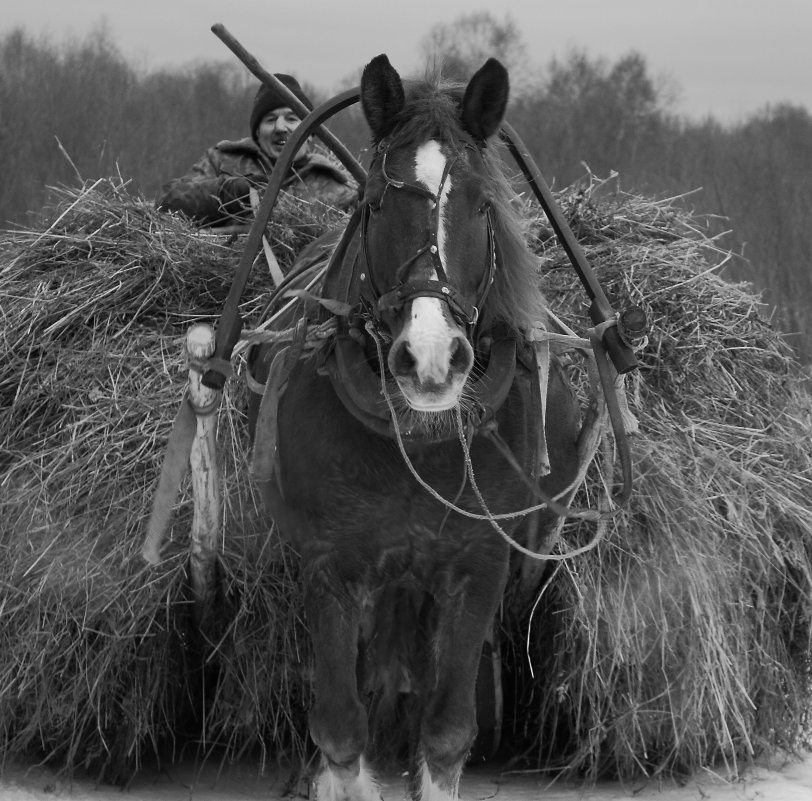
x,y
401,361
462,355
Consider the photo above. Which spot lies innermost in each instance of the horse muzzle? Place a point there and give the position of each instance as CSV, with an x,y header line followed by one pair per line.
x,y
431,358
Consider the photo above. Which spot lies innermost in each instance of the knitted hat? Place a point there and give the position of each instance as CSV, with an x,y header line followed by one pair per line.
x,y
268,99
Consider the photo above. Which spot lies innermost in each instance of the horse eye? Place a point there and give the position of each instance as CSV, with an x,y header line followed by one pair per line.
x,y
485,207
374,205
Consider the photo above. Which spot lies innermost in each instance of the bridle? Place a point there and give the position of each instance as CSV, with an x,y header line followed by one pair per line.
x,y
407,289
350,279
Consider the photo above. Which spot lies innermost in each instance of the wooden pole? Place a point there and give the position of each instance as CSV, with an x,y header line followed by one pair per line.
x,y
205,474
338,148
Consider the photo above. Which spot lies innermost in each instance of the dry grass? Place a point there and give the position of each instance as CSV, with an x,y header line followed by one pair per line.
x,y
685,638
101,665
681,640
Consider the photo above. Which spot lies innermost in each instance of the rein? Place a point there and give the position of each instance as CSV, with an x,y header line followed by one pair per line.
x,y
547,502
613,334
229,323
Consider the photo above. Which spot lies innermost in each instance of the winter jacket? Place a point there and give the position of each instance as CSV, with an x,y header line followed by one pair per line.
x,y
215,190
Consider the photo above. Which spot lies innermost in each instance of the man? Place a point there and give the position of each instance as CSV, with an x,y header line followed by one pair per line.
x,y
216,190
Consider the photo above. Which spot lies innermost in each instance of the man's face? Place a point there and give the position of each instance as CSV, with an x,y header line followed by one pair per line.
x,y
275,129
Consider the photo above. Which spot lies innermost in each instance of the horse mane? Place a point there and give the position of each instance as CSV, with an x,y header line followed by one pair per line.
x,y
515,297
431,111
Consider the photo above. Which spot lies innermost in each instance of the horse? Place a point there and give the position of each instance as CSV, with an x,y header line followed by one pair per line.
x,y
427,396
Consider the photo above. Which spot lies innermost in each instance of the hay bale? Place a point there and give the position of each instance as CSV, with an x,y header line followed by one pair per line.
x,y
101,663
682,639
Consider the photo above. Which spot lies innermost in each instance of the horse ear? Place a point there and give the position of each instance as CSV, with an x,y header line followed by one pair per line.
x,y
382,95
485,100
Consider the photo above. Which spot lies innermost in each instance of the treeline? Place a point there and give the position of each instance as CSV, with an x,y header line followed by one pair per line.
x,y
83,110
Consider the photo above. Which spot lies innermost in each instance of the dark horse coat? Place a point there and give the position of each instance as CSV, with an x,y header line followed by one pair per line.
x,y
439,274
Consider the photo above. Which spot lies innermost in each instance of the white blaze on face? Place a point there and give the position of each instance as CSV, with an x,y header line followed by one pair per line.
x,y
428,332
429,167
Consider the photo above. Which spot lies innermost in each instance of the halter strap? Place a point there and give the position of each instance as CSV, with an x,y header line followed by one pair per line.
x,y
429,288
406,291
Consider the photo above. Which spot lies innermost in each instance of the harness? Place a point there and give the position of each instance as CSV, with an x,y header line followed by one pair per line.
x,y
347,363
350,281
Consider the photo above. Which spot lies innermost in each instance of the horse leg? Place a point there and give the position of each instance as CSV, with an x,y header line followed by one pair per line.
x,y
338,721
448,728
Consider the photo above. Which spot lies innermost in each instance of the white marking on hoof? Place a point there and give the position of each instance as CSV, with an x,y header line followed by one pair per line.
x,y
339,784
431,791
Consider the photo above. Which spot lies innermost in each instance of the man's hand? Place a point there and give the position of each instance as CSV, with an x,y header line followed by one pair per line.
x,y
235,189
258,181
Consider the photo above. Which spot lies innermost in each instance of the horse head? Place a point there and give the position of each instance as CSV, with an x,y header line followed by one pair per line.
x,y
428,232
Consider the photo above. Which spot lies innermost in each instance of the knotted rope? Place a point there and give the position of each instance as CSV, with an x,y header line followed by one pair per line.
x,y
599,517
318,335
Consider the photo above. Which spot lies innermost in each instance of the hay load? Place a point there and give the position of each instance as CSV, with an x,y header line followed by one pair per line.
x,y
685,638
100,663
682,639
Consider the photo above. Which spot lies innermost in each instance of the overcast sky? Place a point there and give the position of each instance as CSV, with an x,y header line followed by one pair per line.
x,y
728,57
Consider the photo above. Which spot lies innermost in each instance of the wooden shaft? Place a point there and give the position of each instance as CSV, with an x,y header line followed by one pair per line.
x,y
600,310
205,474
336,145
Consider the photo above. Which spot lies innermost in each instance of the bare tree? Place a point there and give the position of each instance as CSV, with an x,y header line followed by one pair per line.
x,y
463,46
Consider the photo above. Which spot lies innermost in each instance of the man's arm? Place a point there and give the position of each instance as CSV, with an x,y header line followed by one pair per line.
x,y
206,195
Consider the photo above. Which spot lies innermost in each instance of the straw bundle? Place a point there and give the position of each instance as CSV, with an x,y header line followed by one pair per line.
x,y
100,660
683,638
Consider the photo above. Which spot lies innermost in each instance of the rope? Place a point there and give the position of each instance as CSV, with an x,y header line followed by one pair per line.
x,y
600,531
316,336
598,517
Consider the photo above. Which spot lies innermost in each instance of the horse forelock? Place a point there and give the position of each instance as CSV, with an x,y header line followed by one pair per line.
x,y
430,111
